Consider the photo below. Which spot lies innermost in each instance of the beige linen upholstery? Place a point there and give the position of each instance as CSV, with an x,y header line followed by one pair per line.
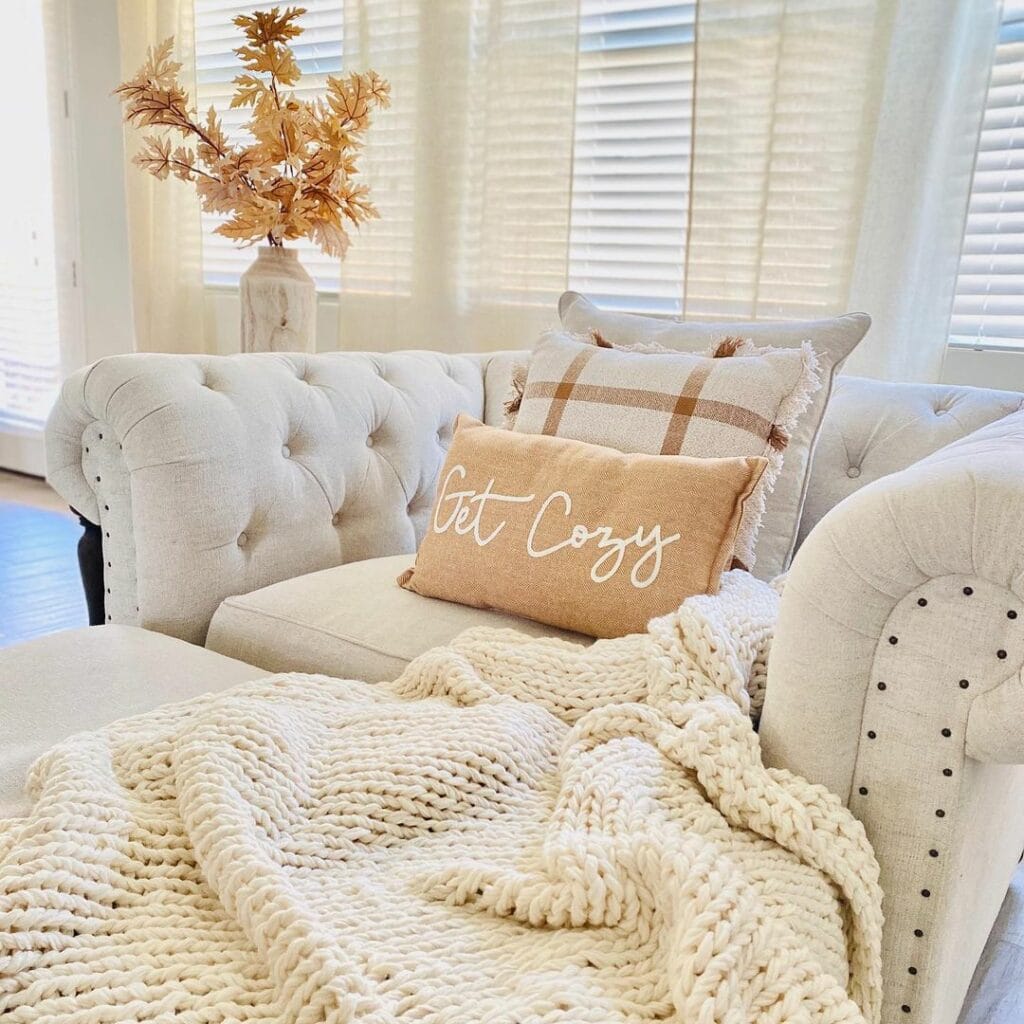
x,y
895,679
212,476
82,679
352,621
876,427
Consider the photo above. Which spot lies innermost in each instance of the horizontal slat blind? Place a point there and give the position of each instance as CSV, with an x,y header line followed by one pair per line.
x,y
989,305
631,163
30,362
318,53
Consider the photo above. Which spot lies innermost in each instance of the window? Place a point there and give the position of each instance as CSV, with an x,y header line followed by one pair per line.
x,y
318,52
631,161
631,149
988,310
30,351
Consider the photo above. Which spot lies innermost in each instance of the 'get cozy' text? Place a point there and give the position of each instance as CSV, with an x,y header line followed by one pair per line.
x,y
463,512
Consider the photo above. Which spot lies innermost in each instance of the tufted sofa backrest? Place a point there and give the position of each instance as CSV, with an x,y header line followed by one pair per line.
x,y
211,476
873,428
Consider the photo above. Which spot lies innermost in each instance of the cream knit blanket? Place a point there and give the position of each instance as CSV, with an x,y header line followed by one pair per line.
x,y
516,830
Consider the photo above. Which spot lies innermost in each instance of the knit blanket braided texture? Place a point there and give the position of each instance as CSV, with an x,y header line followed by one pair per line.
x,y
516,831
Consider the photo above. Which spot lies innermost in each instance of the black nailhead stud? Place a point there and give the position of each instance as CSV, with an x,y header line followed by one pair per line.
x,y
918,933
871,734
1011,614
940,813
948,772
1000,655
933,853
893,640
921,602
97,479
946,733
926,893
911,970
964,684
968,591
881,686
905,1008
863,790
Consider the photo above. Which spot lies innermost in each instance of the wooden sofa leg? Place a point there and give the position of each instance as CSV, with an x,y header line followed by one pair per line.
x,y
90,566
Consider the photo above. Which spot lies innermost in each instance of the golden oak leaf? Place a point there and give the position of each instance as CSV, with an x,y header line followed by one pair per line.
x,y
248,90
154,156
276,61
182,163
262,27
331,237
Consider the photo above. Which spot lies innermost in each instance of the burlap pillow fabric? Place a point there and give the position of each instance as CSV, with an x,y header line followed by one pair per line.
x,y
740,402
833,339
577,535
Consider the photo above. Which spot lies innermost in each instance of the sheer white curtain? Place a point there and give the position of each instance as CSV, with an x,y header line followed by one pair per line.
x,y
833,145
818,155
164,225
918,183
471,170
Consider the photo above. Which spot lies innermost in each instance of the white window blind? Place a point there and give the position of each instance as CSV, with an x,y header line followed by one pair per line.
x,y
30,362
318,53
631,164
989,306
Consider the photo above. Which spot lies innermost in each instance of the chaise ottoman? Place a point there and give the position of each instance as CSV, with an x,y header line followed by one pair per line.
x,y
82,679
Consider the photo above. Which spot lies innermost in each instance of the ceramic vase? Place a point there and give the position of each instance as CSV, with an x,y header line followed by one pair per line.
x,y
278,303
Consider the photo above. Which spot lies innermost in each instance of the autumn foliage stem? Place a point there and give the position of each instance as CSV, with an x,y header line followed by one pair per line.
x,y
296,176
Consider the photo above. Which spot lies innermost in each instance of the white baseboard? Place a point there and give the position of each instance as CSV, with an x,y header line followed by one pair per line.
x,y
23,452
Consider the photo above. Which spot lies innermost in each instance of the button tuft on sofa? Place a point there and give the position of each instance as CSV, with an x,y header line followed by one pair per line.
x,y
853,472
243,539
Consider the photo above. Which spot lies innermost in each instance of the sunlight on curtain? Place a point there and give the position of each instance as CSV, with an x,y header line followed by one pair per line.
x,y
917,185
783,124
30,349
471,170
711,159
164,223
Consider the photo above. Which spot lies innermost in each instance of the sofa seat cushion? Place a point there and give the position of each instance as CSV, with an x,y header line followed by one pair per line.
x,y
81,679
353,621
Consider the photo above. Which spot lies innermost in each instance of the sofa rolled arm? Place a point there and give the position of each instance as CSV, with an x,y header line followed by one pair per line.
x,y
217,475
895,679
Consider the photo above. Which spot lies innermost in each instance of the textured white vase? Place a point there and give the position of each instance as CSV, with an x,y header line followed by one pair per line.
x,y
278,303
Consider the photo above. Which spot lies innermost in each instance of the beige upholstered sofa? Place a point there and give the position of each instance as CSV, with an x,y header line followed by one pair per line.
x,y
263,505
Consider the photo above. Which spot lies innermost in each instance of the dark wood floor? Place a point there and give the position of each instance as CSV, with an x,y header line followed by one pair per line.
x,y
40,590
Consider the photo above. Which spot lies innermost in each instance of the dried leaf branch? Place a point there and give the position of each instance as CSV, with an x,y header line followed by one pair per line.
x,y
295,179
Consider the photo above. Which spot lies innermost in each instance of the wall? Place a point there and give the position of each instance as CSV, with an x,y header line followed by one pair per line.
x,y
104,275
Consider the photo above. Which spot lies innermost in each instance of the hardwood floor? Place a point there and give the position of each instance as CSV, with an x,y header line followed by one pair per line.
x,y
40,590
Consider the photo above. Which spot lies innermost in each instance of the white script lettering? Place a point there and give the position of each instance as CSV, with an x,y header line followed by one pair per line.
x,y
463,512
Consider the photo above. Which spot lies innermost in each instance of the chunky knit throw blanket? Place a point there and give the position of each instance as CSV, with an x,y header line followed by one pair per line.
x,y
516,830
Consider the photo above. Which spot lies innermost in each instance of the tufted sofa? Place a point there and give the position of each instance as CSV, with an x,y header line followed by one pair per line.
x,y
263,504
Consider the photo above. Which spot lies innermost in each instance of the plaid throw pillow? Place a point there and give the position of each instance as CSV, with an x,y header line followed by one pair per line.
x,y
739,401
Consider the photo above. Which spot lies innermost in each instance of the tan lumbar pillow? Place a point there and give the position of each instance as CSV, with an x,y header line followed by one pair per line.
x,y
737,400
577,535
